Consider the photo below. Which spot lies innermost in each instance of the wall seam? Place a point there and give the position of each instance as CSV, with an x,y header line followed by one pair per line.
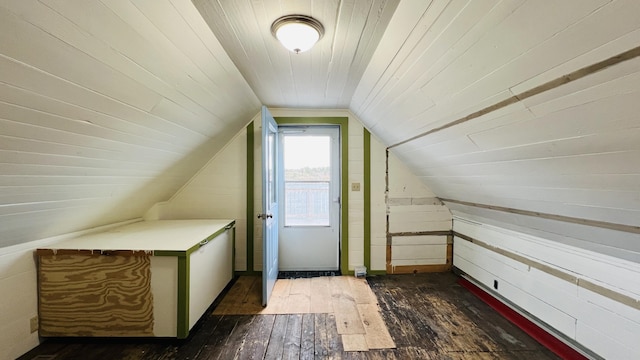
x,y
568,219
578,281
549,85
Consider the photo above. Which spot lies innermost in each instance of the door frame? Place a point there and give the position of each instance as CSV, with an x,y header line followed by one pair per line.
x,y
252,147
335,191
343,124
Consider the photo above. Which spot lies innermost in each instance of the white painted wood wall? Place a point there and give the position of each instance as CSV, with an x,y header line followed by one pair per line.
x,y
217,191
570,151
413,208
605,326
410,207
107,108
18,272
378,205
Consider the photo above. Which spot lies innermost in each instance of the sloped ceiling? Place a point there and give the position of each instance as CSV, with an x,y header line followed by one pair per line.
x,y
473,97
325,77
107,107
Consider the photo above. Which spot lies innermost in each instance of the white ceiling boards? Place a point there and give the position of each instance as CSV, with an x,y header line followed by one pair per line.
x,y
325,76
105,109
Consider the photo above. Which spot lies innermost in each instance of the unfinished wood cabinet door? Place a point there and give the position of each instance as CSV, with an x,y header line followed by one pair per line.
x,y
95,295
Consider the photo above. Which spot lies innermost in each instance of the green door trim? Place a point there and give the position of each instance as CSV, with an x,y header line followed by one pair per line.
x,y
250,201
367,198
343,123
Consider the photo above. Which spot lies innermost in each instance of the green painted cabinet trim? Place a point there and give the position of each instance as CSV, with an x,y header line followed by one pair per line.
x,y
204,242
183,297
184,277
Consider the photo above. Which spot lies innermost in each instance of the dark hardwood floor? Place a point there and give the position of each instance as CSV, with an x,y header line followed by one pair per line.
x,y
429,316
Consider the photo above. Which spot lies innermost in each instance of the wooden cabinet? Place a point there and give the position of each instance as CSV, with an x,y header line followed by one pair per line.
x,y
151,278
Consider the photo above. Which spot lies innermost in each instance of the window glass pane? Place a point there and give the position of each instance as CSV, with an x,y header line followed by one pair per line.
x,y
307,173
271,166
306,203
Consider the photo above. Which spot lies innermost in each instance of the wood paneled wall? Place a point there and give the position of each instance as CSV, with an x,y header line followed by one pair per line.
x,y
569,150
217,191
588,298
418,226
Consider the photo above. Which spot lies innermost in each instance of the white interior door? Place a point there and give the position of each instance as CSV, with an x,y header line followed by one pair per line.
x,y
269,213
309,194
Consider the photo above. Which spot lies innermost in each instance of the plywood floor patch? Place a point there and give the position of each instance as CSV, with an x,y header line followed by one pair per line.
x,y
349,300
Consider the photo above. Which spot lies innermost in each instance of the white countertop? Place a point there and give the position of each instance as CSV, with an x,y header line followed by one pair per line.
x,y
158,235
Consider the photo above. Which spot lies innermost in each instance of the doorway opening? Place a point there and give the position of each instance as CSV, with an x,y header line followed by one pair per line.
x,y
309,197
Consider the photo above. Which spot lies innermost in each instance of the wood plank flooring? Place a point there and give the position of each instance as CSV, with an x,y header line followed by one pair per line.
x,y
349,299
429,316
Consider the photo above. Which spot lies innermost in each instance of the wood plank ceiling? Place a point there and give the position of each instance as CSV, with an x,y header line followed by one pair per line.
x,y
107,107
325,77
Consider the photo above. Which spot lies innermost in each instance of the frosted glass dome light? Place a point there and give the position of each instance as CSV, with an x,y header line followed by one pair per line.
x,y
297,33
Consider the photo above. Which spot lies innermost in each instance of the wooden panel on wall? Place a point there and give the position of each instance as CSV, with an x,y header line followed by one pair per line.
x,y
417,223
419,250
621,245
417,218
73,302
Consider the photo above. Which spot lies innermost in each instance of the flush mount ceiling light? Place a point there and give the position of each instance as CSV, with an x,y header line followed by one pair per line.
x,y
298,33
